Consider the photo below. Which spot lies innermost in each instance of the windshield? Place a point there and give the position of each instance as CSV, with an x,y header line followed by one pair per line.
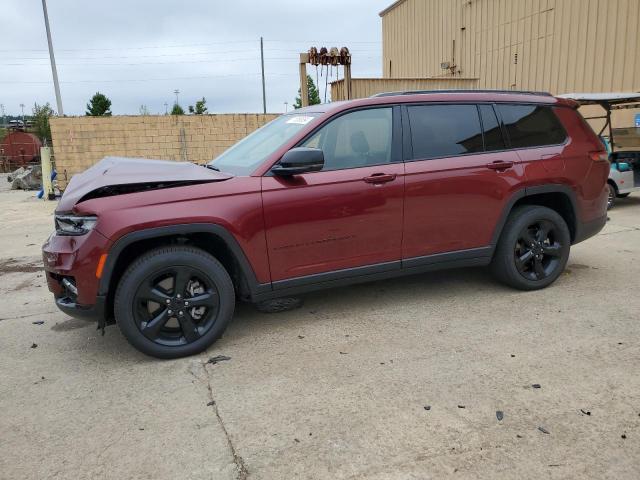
x,y
246,155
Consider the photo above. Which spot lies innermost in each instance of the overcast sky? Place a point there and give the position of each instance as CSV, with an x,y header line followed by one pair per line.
x,y
138,52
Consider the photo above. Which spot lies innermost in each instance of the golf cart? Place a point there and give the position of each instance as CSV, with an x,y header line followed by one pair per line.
x,y
624,176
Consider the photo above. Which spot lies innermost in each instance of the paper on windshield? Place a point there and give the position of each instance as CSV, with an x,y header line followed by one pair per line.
x,y
300,119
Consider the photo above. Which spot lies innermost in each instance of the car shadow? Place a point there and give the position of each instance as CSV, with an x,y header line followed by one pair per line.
x,y
628,202
392,294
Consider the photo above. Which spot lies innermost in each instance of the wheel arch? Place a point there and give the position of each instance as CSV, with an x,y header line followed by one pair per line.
x,y
212,238
559,198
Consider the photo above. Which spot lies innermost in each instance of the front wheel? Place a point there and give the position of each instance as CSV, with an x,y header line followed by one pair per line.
x,y
533,248
174,301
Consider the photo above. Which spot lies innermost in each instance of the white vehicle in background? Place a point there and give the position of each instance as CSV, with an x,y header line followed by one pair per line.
x,y
624,176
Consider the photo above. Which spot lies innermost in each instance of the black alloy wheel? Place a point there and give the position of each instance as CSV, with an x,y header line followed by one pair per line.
x,y
174,301
533,248
538,250
176,305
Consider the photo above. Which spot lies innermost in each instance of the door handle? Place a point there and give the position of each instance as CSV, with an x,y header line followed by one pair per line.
x,y
500,165
380,178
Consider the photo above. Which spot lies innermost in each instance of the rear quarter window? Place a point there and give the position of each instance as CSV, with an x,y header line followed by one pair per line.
x,y
531,125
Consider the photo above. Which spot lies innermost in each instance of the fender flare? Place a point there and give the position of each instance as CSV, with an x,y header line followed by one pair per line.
x,y
528,192
180,229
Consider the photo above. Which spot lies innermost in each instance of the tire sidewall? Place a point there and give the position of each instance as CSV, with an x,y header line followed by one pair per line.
x,y
157,260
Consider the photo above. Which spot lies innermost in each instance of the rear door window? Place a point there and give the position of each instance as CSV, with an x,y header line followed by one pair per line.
x,y
531,125
444,130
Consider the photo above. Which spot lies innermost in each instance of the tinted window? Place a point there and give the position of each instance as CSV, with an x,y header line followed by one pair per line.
x,y
531,125
356,139
492,132
444,130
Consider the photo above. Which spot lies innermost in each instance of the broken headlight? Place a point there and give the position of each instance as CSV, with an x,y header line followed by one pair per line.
x,y
74,224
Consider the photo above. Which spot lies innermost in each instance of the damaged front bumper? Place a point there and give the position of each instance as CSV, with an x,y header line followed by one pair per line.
x,y
70,264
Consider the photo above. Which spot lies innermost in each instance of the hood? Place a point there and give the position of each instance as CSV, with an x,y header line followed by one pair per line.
x,y
120,175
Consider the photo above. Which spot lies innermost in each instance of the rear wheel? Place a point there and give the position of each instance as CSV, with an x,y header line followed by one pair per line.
x,y
174,302
613,193
533,248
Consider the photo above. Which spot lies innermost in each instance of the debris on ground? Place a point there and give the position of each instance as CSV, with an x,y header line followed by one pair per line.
x,y
536,385
543,430
218,358
343,353
623,436
585,412
34,345
427,407
300,337
211,403
461,406
499,415
26,178
38,322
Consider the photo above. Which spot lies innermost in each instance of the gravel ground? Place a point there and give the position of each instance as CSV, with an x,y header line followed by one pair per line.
x,y
399,379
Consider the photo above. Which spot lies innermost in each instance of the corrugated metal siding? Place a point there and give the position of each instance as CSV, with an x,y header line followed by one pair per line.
x,y
365,87
561,45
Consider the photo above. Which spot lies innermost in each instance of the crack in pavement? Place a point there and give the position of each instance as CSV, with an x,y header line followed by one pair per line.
x,y
27,315
242,472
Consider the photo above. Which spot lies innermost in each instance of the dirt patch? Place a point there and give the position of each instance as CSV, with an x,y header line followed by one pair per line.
x,y
11,265
21,286
71,324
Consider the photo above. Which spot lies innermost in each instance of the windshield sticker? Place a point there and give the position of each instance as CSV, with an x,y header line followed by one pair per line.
x,y
300,119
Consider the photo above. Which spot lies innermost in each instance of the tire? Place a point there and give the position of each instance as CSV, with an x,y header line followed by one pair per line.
x,y
613,193
623,195
524,236
181,297
278,305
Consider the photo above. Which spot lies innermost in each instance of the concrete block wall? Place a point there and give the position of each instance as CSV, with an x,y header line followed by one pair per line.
x,y
80,142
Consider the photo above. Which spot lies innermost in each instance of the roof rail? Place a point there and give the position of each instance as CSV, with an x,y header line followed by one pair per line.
x,y
419,92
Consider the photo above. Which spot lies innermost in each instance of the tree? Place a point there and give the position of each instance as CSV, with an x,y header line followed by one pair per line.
x,y
144,110
41,115
177,110
314,95
99,106
200,108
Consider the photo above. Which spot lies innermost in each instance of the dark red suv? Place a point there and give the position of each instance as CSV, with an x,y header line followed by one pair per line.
x,y
323,197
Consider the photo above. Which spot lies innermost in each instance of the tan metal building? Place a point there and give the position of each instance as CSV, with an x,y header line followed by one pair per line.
x,y
559,46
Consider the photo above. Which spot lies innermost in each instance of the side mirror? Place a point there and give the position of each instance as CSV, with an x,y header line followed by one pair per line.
x,y
299,160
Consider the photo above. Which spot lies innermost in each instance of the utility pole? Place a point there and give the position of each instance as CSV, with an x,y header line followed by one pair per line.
x,y
264,95
24,124
286,107
54,71
177,92
4,121
166,112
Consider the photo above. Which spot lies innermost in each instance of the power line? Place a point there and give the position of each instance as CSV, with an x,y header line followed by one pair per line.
x,y
150,79
234,60
232,42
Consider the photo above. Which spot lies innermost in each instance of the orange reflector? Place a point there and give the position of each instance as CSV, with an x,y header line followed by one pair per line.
x,y
103,258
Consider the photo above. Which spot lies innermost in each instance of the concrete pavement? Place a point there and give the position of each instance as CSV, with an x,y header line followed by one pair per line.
x,y
338,388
